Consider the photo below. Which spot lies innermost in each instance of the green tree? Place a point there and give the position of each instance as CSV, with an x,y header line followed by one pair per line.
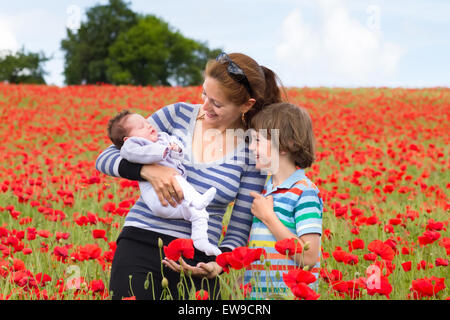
x,y
87,49
22,67
152,53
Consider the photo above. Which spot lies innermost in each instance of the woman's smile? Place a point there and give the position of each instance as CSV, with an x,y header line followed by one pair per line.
x,y
211,115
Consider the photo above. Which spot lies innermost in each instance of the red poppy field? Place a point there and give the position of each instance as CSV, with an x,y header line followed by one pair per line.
x,y
382,169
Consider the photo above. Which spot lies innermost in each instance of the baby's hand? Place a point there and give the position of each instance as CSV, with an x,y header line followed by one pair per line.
x,y
173,146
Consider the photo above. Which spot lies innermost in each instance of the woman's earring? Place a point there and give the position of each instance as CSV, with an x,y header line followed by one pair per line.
x,y
243,118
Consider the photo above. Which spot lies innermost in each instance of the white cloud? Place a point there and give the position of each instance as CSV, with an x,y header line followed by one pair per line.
x,y
37,30
338,50
7,38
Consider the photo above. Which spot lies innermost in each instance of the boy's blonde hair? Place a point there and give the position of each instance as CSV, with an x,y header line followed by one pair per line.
x,y
296,134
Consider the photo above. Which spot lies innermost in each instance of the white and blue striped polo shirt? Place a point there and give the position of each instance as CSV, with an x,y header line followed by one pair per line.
x,y
297,204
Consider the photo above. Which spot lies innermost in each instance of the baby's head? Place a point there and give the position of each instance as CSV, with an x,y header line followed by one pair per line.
x,y
126,124
294,129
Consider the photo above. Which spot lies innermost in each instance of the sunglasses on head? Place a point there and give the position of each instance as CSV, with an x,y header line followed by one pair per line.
x,y
234,71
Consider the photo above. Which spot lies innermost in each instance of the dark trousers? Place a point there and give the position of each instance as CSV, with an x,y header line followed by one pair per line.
x,y
137,255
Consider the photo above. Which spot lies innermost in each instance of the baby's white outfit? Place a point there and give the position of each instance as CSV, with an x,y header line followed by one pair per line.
x,y
192,208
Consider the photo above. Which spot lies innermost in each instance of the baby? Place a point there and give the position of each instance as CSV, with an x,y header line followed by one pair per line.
x,y
140,142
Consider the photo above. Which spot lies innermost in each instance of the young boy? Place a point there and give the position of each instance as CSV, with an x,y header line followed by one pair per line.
x,y
139,142
289,206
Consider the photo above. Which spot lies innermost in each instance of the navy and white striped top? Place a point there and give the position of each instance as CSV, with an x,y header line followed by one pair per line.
x,y
234,177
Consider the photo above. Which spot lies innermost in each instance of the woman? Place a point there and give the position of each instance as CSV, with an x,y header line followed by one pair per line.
x,y
235,88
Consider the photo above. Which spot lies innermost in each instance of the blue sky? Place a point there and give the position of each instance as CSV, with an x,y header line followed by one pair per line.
x,y
307,43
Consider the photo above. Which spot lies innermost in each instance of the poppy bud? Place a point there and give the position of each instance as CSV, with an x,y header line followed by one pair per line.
x,y
306,268
261,258
165,282
160,243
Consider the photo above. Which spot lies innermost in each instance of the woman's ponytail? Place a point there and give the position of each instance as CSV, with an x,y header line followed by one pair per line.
x,y
274,88
272,92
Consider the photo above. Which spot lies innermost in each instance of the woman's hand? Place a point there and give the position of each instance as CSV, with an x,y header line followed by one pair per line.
x,y
164,183
262,207
208,270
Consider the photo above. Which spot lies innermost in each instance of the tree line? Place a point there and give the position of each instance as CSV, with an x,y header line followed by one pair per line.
x,y
116,45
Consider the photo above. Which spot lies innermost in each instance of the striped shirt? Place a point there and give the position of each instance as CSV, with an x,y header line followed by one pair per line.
x,y
298,206
234,177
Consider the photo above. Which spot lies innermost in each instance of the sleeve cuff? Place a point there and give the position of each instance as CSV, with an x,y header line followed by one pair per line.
x,y
130,171
225,249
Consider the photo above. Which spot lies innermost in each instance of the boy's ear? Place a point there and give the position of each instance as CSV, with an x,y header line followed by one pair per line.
x,y
125,139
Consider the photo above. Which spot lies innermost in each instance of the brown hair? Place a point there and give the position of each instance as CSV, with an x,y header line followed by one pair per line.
x,y
263,83
116,129
296,134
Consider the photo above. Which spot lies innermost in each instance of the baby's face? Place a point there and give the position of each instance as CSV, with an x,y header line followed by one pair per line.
x,y
138,126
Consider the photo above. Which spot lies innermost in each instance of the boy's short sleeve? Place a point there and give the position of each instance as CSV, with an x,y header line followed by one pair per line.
x,y
308,213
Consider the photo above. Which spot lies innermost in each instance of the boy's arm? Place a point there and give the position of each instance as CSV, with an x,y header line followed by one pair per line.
x,y
137,150
262,208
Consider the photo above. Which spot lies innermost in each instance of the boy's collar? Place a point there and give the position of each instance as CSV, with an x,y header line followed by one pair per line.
x,y
299,174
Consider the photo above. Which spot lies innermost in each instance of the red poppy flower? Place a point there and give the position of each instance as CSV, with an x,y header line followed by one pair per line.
x,y
388,188
18,265
381,249
44,233
88,252
43,278
201,295
178,248
298,275
434,225
354,288
24,278
289,246
97,286
445,243
99,234
239,258
341,256
61,253
330,276
356,244
379,286
427,287
302,291
441,262
428,237
340,288
406,266
222,260
422,264
62,235
395,221
297,280
246,289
